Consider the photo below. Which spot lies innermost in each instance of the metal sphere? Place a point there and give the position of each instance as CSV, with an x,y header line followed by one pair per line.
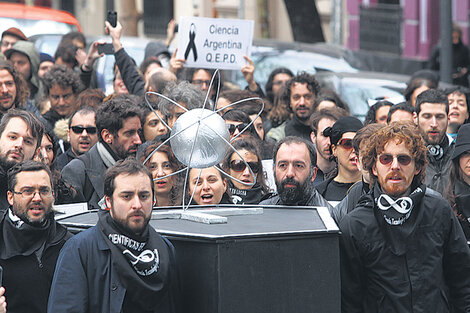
x,y
209,148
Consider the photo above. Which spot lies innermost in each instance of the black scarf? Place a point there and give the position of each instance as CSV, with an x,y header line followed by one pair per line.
x,y
246,196
20,238
438,151
398,217
142,262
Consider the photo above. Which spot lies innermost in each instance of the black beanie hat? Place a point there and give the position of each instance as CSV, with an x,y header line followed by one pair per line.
x,y
462,144
343,125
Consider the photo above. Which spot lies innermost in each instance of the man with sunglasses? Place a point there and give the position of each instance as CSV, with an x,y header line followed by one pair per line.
x,y
341,135
82,135
30,239
118,121
402,248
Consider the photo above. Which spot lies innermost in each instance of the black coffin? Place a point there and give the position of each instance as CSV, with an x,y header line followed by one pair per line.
x,y
283,260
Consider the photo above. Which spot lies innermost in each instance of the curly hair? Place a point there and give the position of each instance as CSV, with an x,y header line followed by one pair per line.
x,y
302,78
22,90
399,132
64,77
112,113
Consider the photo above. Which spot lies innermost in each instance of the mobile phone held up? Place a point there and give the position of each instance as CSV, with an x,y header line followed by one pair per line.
x,y
112,18
106,48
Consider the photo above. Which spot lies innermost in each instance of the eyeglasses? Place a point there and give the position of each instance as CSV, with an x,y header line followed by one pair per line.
x,y
30,192
240,127
239,166
346,143
79,129
386,159
200,82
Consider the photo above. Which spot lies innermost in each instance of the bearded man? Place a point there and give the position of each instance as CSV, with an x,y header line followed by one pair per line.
x,y
122,264
402,248
30,238
294,172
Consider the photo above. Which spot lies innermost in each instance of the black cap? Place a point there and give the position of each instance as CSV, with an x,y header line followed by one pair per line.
x,y
462,144
343,125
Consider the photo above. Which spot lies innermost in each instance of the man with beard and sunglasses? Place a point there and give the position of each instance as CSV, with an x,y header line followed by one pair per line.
x,y
294,172
122,264
30,239
119,130
402,248
20,139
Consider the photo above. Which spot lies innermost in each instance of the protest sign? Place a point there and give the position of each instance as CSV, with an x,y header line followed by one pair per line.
x,y
214,43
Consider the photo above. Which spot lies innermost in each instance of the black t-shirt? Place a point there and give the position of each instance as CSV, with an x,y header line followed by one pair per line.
x,y
336,191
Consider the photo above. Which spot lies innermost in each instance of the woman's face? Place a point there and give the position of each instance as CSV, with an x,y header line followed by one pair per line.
x,y
464,164
209,189
153,127
236,165
280,80
160,166
46,151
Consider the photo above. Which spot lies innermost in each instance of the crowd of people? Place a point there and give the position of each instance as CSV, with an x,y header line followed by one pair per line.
x,y
397,184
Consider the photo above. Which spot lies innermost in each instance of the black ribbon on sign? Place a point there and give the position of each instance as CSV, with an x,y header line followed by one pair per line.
x,y
191,44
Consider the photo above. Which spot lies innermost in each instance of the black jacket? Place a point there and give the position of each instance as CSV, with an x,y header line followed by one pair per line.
x,y
315,199
27,279
134,82
64,159
3,190
437,171
85,174
462,201
431,276
350,201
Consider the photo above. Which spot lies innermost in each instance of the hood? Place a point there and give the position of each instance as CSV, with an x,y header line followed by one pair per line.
x,y
27,48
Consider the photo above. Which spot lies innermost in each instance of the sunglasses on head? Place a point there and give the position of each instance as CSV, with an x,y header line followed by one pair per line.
x,y
346,143
240,127
386,159
79,129
239,166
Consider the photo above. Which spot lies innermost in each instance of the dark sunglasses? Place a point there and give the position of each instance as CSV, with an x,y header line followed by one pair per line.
x,y
403,159
79,129
240,127
346,143
239,166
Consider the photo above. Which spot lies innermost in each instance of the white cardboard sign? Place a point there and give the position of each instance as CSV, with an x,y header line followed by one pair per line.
x,y
214,43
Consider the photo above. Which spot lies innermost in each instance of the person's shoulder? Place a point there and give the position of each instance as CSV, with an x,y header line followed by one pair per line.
x,y
270,201
277,133
86,237
362,214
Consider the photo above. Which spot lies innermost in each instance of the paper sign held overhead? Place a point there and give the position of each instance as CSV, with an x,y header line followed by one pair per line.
x,y
214,43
